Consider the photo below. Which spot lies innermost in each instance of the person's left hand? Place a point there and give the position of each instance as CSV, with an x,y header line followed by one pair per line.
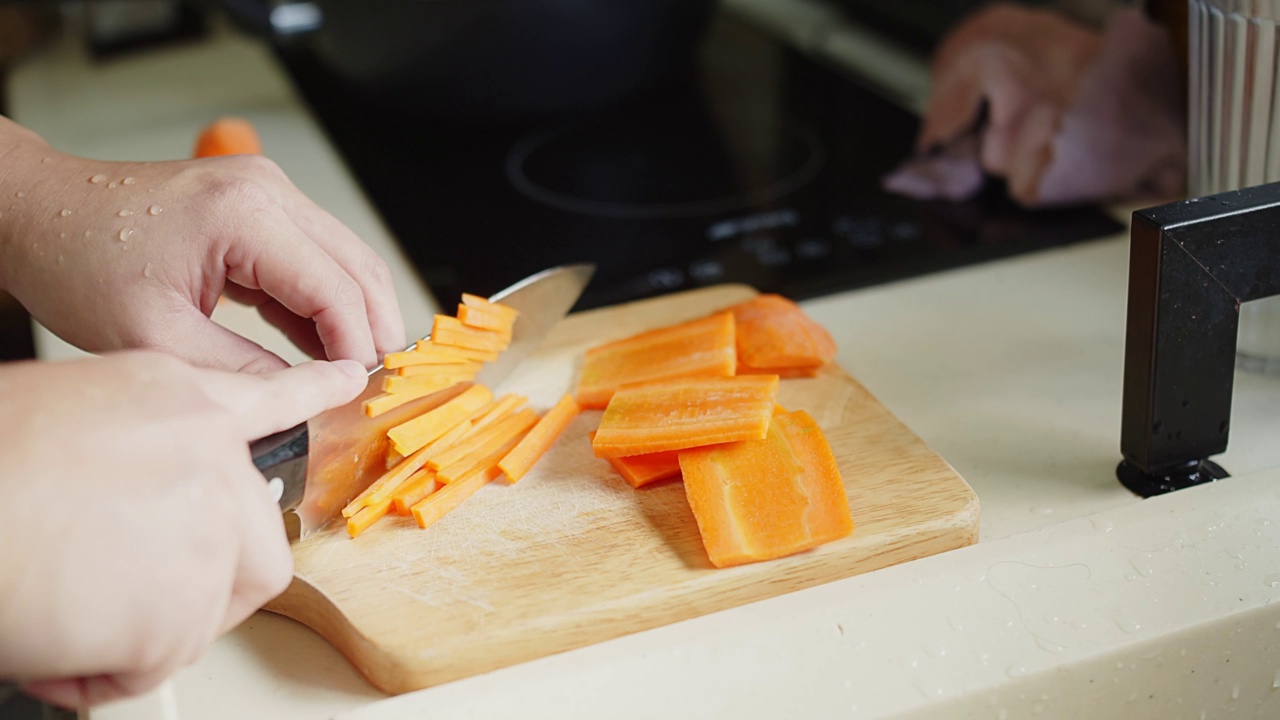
x,y
112,255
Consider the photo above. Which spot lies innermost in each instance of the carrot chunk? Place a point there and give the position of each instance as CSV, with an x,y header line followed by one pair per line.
x,y
698,348
367,516
228,136
416,433
762,499
775,333
438,504
540,439
685,413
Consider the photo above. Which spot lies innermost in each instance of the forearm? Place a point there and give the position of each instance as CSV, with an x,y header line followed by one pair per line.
x,y
18,146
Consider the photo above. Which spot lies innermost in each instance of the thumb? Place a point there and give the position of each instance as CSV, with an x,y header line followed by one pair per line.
x,y
273,401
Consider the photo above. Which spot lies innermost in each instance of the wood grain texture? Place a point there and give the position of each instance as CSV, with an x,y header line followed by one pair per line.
x,y
573,555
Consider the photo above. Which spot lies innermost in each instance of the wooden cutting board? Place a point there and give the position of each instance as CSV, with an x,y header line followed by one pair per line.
x,y
572,555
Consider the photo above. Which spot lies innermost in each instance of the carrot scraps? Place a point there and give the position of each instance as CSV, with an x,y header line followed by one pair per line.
x,y
774,333
438,504
450,331
228,136
416,433
411,491
698,348
763,499
367,516
540,439
685,413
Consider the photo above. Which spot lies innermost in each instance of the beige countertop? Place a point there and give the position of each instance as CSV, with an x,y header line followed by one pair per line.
x,y
1078,595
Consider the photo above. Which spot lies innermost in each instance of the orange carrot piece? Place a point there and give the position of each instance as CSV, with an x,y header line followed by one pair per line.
x,y
640,470
685,413
393,458
429,349
378,404
500,409
416,433
413,358
438,504
228,136
783,372
489,306
367,516
484,319
466,367
761,499
433,382
486,437
395,478
418,486
487,457
450,331
539,439
698,348
774,332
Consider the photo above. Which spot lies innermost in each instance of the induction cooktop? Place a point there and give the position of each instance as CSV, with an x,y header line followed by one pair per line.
x,y
760,166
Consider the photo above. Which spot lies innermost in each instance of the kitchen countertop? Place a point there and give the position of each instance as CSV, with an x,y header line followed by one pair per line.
x,y
1010,370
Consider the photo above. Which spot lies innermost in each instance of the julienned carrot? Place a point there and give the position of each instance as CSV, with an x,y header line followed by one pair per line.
x,y
439,503
416,433
228,136
497,308
367,516
393,458
763,499
500,409
450,331
685,413
698,348
451,369
414,358
484,319
378,404
482,438
395,478
428,383
426,348
774,333
418,486
539,439
487,457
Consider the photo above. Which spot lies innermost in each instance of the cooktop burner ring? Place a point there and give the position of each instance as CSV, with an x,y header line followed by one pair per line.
x,y
754,197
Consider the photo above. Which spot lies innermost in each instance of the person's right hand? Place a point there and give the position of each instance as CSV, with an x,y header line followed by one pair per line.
x,y
137,529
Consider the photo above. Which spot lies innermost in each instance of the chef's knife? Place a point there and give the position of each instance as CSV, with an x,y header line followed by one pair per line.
x,y
315,468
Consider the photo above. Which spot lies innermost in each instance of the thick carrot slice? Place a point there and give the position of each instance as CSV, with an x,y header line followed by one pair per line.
x,y
367,516
416,433
450,331
774,333
760,499
439,503
228,136
640,470
698,348
425,383
489,306
485,458
451,369
481,442
418,486
485,319
540,439
685,413
429,349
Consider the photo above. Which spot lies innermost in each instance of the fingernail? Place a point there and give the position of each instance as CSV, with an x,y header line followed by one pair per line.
x,y
352,368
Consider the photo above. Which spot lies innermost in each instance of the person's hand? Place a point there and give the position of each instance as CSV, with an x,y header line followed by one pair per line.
x,y
113,255
138,529
1059,111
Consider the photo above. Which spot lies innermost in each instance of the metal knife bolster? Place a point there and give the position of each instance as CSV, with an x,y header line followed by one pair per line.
x,y
282,460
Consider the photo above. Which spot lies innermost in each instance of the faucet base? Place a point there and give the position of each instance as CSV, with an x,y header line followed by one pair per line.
x,y
1195,472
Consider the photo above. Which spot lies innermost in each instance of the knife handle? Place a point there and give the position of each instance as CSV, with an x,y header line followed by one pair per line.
x,y
282,460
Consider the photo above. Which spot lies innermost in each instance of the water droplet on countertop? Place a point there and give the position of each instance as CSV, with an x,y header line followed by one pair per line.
x,y
155,210
1275,682
1235,691
1049,646
146,271
839,630
1016,670
1272,580
124,213
129,181
98,179
1128,625
955,624
125,234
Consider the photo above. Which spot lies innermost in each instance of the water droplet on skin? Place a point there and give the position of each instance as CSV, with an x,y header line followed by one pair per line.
x,y
113,184
20,194
125,233
129,181
124,213
47,160
146,271
155,210
65,212
62,235
86,233
98,179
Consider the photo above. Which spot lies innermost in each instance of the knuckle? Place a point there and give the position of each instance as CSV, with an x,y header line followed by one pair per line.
x,y
376,269
235,196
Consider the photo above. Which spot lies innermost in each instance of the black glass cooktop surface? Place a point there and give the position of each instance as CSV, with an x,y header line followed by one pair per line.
x,y
760,167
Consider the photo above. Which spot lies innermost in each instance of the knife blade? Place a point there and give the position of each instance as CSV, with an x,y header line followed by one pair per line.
x,y
315,468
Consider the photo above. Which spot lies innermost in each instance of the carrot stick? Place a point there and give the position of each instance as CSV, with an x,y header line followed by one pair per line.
x,y
482,437
540,439
450,331
426,348
698,348
411,358
685,413
500,409
416,433
438,504
430,383
466,367
488,455
228,136
367,516
484,319
418,486
497,308
393,479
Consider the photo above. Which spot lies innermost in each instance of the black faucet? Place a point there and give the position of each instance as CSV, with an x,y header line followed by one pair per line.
x,y
1191,265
